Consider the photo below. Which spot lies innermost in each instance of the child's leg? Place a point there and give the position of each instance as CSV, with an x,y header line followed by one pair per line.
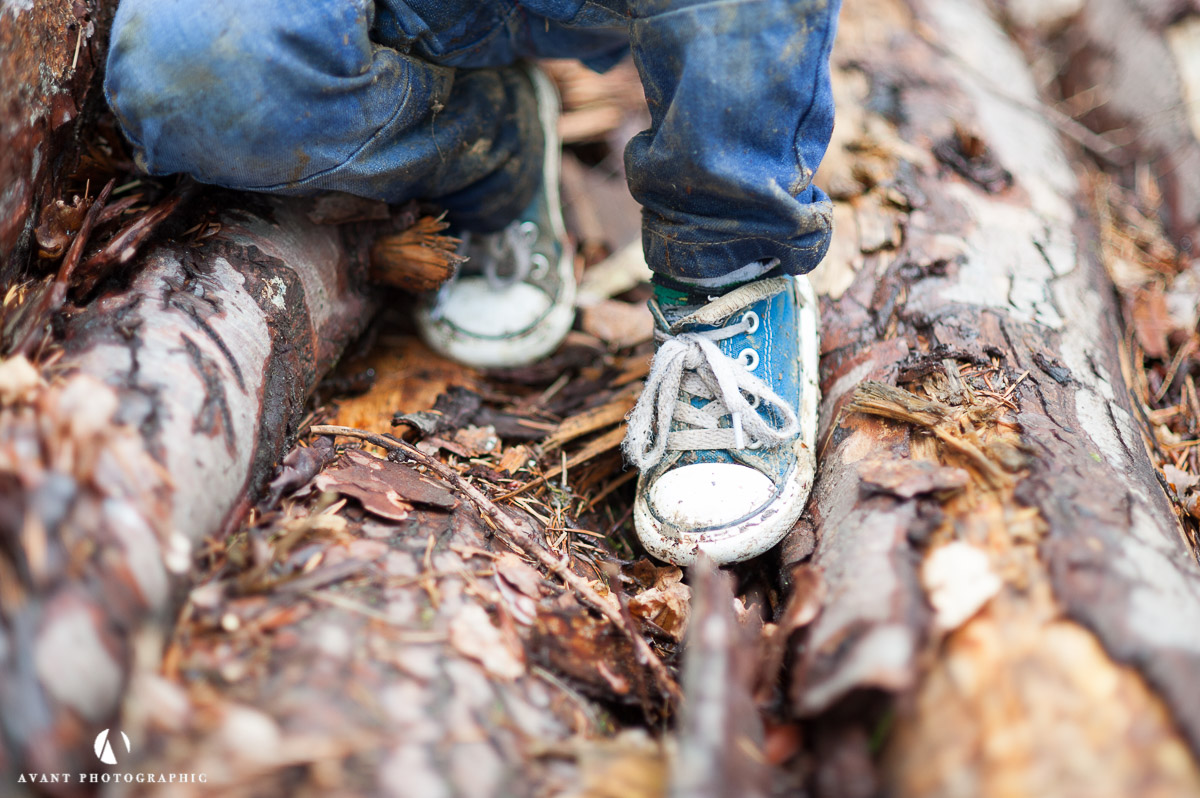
x,y
741,108
742,113
296,97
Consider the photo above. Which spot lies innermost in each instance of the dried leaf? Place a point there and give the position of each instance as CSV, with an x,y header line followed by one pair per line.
x,y
473,635
383,487
668,607
1151,320
518,573
299,466
619,324
57,224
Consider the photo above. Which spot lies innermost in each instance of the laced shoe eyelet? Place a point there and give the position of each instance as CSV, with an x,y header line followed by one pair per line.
x,y
748,358
540,266
529,230
755,446
750,319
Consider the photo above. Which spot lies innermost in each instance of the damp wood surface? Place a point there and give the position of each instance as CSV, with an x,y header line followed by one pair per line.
x,y
994,591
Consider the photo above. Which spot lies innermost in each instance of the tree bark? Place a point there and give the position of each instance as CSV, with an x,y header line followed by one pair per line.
x,y
172,400
49,57
996,555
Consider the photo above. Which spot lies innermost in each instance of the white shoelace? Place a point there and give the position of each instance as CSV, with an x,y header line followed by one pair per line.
x,y
515,245
691,364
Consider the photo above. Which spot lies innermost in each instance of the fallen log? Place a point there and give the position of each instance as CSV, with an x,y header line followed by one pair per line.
x,y
165,409
1009,606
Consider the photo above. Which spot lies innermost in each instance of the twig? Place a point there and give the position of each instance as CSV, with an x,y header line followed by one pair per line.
x,y
56,293
524,540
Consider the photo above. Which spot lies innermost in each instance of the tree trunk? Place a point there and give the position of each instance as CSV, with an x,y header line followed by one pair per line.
x,y
995,553
171,402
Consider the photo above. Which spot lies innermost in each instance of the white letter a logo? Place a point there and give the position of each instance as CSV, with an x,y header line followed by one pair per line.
x,y
104,749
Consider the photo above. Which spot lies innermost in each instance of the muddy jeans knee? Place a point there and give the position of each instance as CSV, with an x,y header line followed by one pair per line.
x,y
296,98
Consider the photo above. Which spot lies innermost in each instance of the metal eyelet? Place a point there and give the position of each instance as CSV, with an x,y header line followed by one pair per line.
x,y
540,266
754,447
748,358
529,230
751,319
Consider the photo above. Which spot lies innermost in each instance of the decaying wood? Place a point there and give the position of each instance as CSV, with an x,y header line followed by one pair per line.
x,y
1038,621
417,259
49,54
720,735
166,409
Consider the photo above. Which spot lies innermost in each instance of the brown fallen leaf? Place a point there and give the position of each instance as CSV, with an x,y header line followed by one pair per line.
x,y
58,223
359,473
1151,320
520,574
373,494
619,324
473,635
299,466
667,604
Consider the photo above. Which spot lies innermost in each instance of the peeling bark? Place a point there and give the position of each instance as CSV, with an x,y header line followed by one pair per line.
x,y
992,610
173,399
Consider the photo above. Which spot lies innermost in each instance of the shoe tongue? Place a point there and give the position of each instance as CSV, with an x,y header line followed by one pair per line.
x,y
670,305
680,311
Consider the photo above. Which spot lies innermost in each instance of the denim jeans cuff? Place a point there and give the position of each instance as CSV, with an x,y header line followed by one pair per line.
x,y
694,253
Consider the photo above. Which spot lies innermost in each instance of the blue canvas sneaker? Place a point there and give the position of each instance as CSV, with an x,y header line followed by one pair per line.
x,y
513,300
724,431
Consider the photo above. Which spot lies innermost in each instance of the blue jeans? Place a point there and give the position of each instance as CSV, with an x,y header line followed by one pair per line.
x,y
404,99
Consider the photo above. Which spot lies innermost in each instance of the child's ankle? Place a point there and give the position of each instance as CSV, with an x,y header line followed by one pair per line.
x,y
698,291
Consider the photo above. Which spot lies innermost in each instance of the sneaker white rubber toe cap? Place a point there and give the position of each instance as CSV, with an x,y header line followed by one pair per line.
x,y
730,512
478,310
485,327
705,495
